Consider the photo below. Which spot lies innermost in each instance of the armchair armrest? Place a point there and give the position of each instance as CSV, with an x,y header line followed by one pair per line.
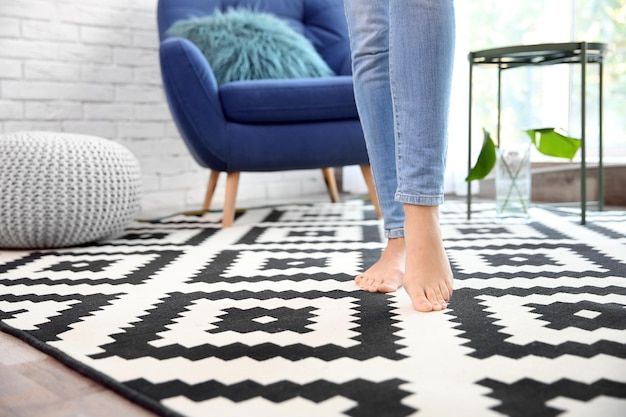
x,y
192,94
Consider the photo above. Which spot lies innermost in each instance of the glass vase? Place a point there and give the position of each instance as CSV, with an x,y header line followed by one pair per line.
x,y
513,183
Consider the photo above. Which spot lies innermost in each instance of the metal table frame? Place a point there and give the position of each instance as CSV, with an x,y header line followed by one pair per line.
x,y
546,54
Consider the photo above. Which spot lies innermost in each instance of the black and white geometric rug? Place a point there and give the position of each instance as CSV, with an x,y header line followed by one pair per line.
x,y
263,319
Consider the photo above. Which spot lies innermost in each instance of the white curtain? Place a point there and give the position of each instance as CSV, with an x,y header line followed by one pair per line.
x,y
457,135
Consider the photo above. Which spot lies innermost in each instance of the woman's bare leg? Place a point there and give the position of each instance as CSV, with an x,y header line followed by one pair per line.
x,y
428,276
387,273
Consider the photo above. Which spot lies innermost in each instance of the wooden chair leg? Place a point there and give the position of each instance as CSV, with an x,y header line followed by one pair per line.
x,y
210,190
369,181
331,184
232,182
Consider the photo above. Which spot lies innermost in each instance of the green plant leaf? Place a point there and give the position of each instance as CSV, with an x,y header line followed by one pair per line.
x,y
486,159
554,142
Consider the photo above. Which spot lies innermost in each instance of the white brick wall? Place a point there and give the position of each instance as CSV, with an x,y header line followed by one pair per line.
x,y
91,67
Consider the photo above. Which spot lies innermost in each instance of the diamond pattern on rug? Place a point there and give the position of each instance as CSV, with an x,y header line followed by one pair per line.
x,y
507,323
545,401
199,325
264,318
80,268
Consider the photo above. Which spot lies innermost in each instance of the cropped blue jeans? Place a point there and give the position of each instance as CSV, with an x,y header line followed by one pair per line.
x,y
402,59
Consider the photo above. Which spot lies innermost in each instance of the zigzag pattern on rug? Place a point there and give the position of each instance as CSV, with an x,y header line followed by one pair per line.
x,y
263,318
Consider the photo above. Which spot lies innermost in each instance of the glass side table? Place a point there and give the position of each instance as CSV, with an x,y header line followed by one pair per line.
x,y
581,53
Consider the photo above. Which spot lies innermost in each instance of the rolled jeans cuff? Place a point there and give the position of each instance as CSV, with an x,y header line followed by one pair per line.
x,y
394,233
419,200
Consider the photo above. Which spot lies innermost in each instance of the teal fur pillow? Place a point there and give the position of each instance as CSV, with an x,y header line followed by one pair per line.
x,y
241,44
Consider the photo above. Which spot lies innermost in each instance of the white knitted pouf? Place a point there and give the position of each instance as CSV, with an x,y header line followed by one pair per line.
x,y
63,189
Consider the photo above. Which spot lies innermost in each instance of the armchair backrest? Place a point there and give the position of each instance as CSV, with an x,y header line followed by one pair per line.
x,y
321,21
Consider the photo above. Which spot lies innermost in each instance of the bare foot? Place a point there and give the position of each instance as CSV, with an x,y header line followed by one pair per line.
x,y
428,276
386,274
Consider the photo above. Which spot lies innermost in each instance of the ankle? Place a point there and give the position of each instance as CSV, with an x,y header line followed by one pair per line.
x,y
395,250
415,213
395,243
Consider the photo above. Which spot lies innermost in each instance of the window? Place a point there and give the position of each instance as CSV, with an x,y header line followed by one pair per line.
x,y
550,96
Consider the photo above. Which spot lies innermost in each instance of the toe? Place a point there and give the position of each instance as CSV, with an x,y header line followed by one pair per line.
x,y
363,281
442,299
388,286
436,299
446,293
368,283
433,299
421,303
373,285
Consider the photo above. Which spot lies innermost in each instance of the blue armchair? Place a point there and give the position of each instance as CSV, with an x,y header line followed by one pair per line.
x,y
264,125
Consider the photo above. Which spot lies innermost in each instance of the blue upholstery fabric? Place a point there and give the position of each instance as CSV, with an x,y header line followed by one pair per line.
x,y
264,125
295,100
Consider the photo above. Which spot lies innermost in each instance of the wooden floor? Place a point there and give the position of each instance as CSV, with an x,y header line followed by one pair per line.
x,y
32,384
